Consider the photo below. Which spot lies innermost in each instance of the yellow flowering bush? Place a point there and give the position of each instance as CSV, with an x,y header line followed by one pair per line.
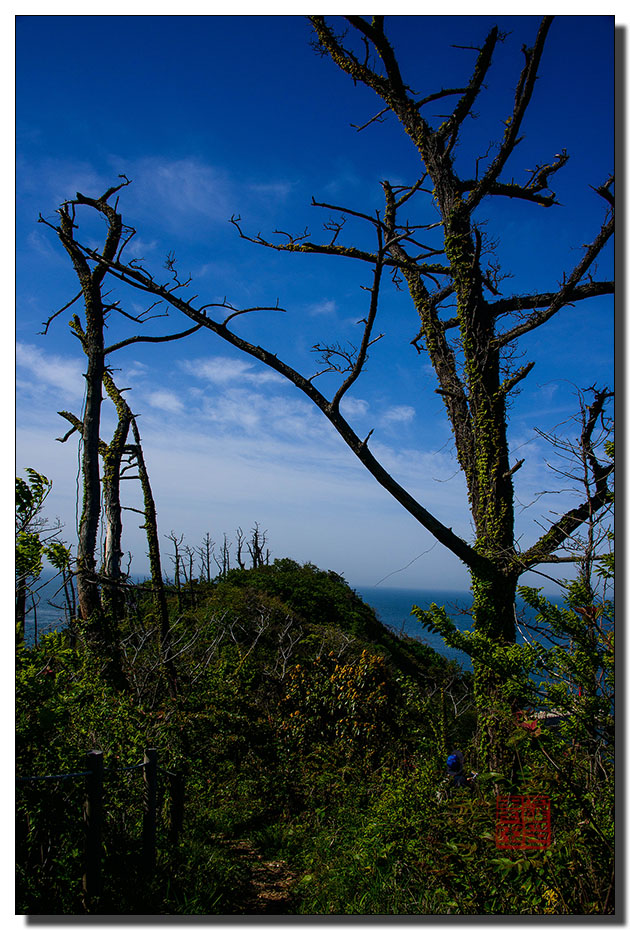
x,y
330,700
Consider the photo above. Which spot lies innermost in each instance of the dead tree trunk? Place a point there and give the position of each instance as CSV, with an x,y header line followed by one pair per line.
x,y
92,341
113,597
205,554
157,583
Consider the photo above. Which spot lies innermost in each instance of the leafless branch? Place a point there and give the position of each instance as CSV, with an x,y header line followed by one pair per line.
x,y
134,339
522,302
450,127
375,119
569,287
367,332
510,383
523,95
594,480
46,325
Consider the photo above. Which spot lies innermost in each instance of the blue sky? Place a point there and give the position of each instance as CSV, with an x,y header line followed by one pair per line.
x,y
216,115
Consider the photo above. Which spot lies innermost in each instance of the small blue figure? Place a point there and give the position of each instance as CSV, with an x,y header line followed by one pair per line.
x,y
455,769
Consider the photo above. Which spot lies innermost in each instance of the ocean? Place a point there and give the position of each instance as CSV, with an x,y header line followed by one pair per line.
x,y
393,608
46,617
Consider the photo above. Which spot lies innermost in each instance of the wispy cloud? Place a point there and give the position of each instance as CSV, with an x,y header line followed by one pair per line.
x,y
343,177
137,247
323,308
221,370
36,369
277,189
180,188
250,410
181,193
43,243
136,370
398,414
165,400
354,407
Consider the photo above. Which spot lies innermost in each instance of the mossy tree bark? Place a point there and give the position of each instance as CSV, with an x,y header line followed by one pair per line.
x,y
111,574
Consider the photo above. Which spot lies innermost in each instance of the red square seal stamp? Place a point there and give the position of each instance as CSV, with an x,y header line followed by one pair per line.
x,y
523,822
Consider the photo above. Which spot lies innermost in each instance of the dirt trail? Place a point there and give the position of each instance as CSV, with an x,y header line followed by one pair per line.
x,y
270,890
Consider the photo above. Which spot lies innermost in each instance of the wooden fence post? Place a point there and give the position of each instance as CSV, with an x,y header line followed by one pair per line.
x,y
150,809
93,816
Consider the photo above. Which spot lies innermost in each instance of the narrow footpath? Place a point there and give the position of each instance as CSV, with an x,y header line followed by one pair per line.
x,y
270,890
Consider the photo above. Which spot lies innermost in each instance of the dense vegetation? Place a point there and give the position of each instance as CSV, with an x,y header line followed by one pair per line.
x,y
313,741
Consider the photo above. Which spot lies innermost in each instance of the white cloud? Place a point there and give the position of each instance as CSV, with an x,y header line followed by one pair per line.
x,y
165,400
222,370
136,370
174,193
280,190
137,247
354,407
36,368
399,414
235,410
323,308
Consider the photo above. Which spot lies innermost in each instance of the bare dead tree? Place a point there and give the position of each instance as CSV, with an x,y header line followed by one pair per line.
x,y
177,561
587,461
584,463
92,341
112,454
110,577
223,561
441,262
205,555
256,546
240,542
91,335
189,570
151,528
289,636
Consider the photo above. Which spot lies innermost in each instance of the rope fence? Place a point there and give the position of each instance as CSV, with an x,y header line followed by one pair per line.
x,y
94,812
106,770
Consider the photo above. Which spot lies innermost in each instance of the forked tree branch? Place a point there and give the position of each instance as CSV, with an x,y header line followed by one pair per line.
x,y
469,367
451,126
571,286
564,528
367,332
513,124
